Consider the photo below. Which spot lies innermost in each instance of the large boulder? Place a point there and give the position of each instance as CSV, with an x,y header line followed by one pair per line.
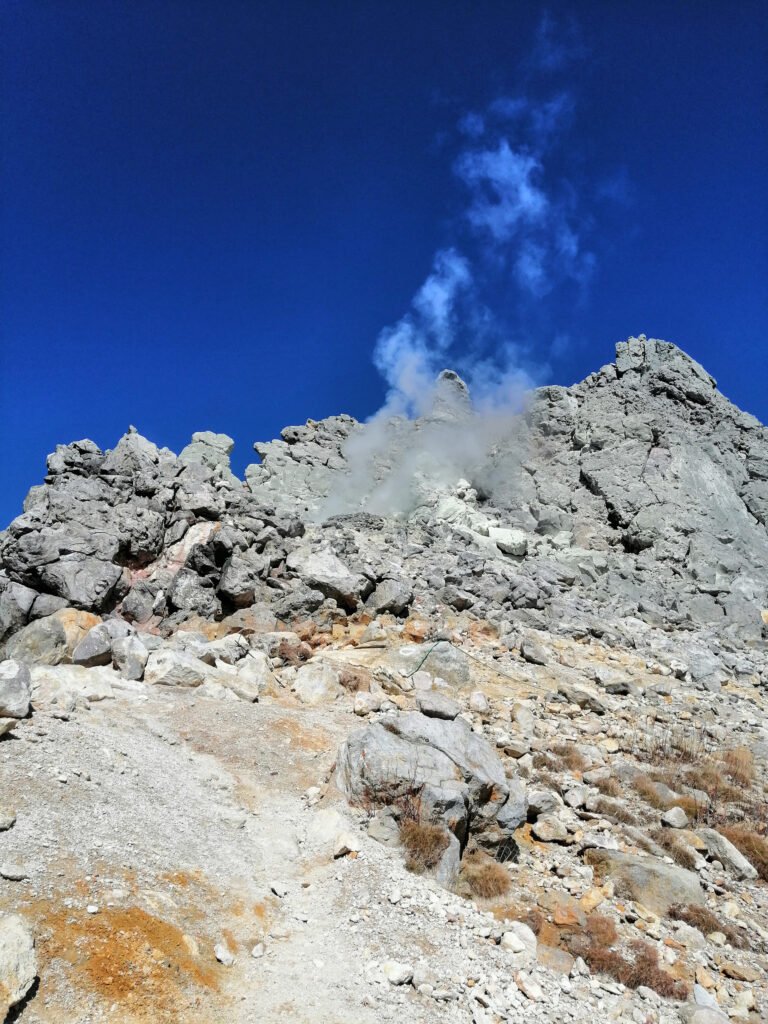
x,y
95,648
241,577
324,571
129,656
647,880
15,689
439,658
317,683
451,771
174,668
53,639
722,849
18,963
391,596
63,687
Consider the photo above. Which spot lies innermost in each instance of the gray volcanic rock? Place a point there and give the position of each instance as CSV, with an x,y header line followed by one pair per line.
x,y
453,771
15,689
639,494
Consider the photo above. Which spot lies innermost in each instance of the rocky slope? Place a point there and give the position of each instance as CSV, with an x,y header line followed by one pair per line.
x,y
477,698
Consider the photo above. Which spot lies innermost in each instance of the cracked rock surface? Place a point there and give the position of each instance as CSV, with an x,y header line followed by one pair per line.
x,y
456,719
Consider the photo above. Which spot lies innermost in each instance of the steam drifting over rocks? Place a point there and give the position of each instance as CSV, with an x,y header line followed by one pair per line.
x,y
531,644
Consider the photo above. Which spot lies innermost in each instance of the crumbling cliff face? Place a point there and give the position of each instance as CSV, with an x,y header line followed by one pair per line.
x,y
639,492
482,695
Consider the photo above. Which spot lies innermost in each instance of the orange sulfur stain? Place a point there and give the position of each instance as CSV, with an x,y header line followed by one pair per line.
x,y
129,957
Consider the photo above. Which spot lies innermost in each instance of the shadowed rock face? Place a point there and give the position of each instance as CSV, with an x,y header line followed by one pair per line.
x,y
639,493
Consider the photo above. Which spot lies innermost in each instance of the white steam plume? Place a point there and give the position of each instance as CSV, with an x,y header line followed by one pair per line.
x,y
520,233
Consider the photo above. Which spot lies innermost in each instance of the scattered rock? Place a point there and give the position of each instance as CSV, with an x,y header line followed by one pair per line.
x,y
15,689
18,962
397,973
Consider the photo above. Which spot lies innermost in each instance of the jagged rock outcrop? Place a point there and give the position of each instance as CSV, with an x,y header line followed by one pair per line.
x,y
639,494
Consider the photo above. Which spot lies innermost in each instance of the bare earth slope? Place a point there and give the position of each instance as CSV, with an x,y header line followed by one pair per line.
x,y
456,719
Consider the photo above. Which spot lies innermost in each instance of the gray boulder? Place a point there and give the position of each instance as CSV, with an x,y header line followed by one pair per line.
x,y
51,640
192,593
95,648
241,578
129,656
15,689
317,683
454,772
324,571
436,705
169,667
722,849
18,962
390,596
647,880
440,658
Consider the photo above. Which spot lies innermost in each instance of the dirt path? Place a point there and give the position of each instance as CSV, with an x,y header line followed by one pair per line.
x,y
173,818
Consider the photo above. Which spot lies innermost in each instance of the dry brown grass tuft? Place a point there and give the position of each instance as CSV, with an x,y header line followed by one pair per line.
x,y
664,744
752,842
545,762
608,786
707,922
677,848
601,929
570,757
739,765
692,807
614,809
483,875
639,966
647,788
710,777
424,844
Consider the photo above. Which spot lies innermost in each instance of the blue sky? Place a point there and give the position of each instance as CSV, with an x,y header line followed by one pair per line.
x,y
236,215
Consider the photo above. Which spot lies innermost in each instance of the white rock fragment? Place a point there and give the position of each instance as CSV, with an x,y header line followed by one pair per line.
x,y
397,973
18,963
223,955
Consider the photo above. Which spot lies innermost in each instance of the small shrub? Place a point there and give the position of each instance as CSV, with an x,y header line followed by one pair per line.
x,y
608,786
680,851
644,969
613,809
639,966
570,756
752,843
646,789
601,929
707,922
739,765
483,875
424,844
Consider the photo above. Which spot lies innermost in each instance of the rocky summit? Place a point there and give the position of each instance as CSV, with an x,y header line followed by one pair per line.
x,y
459,718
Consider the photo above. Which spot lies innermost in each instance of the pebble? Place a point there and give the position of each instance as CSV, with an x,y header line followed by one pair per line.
x,y
223,955
397,973
12,872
